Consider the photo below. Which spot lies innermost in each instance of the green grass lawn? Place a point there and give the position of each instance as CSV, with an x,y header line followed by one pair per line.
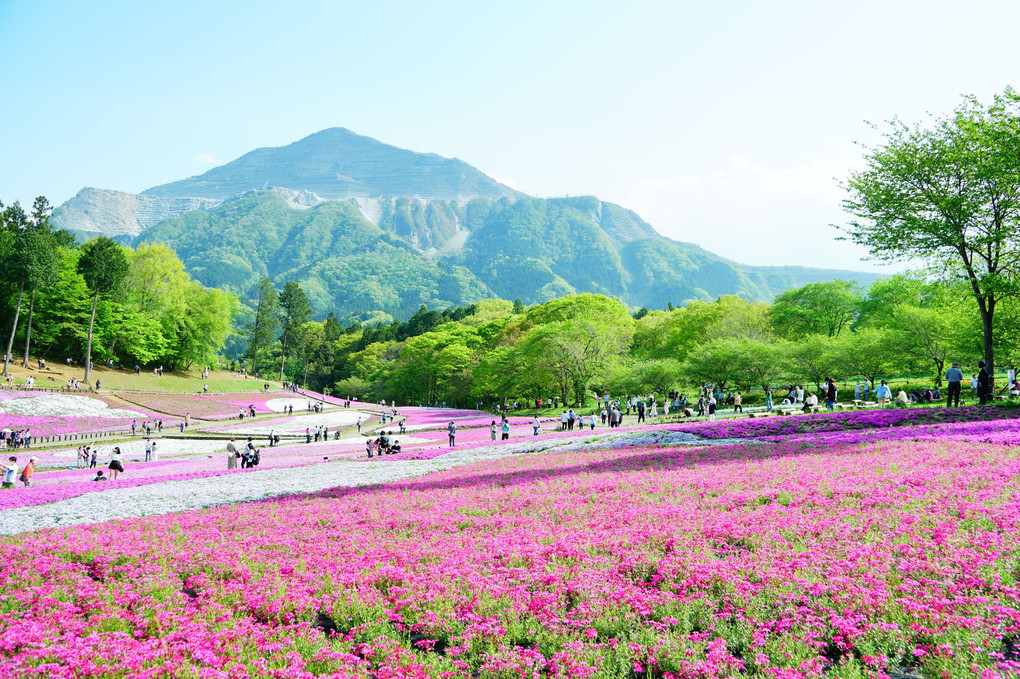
x,y
221,381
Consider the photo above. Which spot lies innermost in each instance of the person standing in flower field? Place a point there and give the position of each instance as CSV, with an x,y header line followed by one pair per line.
x,y
505,428
148,450
535,425
492,430
10,471
116,467
954,376
28,472
232,455
452,430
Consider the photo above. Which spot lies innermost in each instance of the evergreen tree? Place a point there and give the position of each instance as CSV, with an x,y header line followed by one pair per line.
x,y
43,260
263,327
295,310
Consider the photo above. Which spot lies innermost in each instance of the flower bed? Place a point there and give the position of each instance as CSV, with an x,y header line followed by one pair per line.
x,y
205,406
767,560
748,427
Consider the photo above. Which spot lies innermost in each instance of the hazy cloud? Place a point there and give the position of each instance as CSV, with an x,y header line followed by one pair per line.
x,y
206,158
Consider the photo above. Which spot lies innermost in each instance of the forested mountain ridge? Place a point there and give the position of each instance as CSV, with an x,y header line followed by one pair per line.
x,y
372,231
535,249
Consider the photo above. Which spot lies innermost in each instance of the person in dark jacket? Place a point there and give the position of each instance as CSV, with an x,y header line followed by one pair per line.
x,y
984,383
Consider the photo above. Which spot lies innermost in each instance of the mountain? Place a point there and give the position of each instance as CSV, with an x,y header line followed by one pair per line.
x,y
336,164
373,231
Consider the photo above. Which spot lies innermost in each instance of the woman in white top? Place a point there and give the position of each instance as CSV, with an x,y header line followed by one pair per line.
x,y
115,464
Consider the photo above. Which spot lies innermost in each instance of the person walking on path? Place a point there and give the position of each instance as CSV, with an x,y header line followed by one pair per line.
x,y
28,472
768,401
984,383
535,425
954,376
452,429
359,425
492,430
232,455
94,458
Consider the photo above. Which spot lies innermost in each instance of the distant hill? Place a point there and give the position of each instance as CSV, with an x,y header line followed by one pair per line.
x,y
373,231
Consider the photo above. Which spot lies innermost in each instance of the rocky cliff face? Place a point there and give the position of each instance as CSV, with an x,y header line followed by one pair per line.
x,y
100,212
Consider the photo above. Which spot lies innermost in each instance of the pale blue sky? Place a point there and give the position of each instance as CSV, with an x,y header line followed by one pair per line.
x,y
724,124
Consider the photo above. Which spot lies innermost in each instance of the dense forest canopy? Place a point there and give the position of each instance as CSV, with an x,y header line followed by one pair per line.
x,y
154,313
492,350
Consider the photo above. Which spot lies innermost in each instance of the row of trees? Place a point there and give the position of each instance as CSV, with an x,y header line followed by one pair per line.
x,y
906,325
103,300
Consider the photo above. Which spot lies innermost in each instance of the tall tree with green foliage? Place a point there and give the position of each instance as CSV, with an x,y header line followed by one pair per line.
x,y
817,308
262,328
15,262
104,267
948,195
43,260
295,310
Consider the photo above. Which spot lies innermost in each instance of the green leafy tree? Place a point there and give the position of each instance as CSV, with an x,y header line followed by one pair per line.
x,y
811,359
719,363
43,264
817,308
104,267
872,353
15,262
295,310
262,328
948,195
762,363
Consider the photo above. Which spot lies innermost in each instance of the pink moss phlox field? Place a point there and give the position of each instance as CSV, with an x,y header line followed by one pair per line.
x,y
747,427
207,406
41,425
771,558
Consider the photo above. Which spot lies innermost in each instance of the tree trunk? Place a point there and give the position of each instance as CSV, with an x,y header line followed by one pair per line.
x,y
255,335
986,322
88,345
283,355
306,375
14,327
28,329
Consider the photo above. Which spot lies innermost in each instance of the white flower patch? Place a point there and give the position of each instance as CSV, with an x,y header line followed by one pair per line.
x,y
135,448
280,405
298,423
64,405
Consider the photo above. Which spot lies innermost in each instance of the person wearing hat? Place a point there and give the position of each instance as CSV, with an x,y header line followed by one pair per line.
x,y
28,472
